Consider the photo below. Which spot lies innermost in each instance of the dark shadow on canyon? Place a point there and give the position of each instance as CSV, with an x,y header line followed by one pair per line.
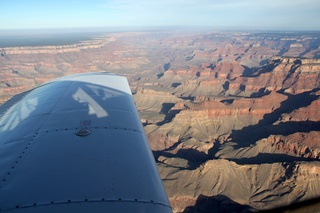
x,y
263,158
312,46
262,92
309,206
166,108
268,67
247,71
251,134
169,113
285,49
219,203
194,157
265,127
175,85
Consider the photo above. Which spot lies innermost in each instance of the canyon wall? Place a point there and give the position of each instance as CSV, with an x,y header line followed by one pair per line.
x,y
232,117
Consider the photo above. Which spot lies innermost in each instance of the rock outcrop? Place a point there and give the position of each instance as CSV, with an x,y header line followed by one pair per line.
x,y
289,75
232,117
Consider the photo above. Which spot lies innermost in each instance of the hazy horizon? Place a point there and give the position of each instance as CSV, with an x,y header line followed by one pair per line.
x,y
56,37
101,30
229,14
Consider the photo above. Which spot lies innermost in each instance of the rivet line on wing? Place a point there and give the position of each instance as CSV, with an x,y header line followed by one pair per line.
x,y
17,161
105,200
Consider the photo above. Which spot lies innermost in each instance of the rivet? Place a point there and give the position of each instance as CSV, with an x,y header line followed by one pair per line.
x,y
83,132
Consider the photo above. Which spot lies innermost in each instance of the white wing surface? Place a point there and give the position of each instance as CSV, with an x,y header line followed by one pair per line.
x,y
76,144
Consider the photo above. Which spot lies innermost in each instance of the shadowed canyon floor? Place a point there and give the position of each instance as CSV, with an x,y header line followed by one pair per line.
x,y
232,118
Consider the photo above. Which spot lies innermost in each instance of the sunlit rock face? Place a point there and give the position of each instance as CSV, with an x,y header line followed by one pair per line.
x,y
232,117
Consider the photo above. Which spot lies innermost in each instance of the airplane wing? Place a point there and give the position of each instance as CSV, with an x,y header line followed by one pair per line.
x,y
76,144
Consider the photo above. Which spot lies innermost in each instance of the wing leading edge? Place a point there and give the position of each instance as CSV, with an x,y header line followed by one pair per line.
x,y
77,144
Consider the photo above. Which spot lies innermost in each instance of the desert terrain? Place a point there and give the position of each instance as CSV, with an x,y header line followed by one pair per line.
x,y
232,118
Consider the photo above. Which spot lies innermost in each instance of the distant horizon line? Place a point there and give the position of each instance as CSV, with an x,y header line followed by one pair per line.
x,y
146,28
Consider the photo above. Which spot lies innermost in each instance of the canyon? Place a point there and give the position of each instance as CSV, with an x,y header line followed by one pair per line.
x,y
232,118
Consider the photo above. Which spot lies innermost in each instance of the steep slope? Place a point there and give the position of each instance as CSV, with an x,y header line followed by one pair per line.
x,y
232,117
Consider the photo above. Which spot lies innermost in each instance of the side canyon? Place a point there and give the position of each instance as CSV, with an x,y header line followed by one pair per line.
x,y
232,118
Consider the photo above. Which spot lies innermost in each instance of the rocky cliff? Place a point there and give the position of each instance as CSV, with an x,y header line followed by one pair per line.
x,y
289,75
232,117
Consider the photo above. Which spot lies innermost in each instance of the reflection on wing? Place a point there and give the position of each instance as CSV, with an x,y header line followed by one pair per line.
x,y
94,107
47,166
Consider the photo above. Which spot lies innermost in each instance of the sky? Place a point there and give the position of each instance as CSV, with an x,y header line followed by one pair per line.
x,y
220,14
